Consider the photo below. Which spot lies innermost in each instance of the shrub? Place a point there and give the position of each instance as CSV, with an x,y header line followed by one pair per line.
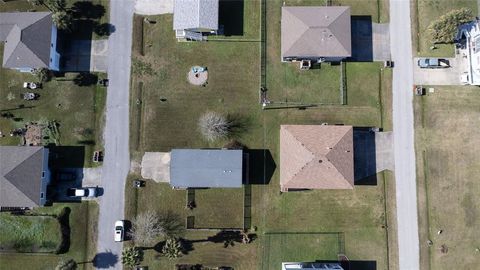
x,y
445,28
172,248
132,256
64,220
43,74
214,126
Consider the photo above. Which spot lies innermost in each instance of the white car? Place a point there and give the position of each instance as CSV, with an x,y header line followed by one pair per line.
x,y
89,192
119,230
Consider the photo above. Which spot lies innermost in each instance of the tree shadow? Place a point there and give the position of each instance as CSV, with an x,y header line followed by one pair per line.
x,y
172,224
64,221
87,10
104,29
85,79
239,124
105,260
230,16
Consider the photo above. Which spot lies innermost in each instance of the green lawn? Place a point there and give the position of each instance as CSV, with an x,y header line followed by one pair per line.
x,y
83,220
426,11
29,233
447,145
165,111
218,208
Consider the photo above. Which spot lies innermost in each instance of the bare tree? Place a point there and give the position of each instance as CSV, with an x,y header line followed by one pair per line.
x,y
214,126
146,228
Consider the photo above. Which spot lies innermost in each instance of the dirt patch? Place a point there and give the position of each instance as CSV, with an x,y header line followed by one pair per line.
x,y
153,7
156,166
33,135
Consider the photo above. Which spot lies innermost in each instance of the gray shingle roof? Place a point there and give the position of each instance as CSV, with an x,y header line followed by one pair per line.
x,y
197,168
195,14
27,37
20,175
316,32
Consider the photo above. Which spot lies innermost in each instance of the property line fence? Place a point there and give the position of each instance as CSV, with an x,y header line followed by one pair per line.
x,y
343,83
263,51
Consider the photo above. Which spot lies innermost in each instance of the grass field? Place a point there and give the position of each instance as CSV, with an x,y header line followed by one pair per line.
x,y
447,145
27,234
165,111
83,220
426,11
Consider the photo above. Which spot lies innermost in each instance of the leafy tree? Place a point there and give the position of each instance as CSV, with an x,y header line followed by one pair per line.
x,y
43,74
62,20
132,256
445,28
172,248
70,264
214,126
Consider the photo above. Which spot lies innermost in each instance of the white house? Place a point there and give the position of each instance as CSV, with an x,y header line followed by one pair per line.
x,y
192,19
468,45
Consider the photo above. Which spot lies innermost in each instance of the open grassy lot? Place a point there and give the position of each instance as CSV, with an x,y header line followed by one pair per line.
x,y
77,110
218,208
26,233
426,11
83,220
165,111
447,145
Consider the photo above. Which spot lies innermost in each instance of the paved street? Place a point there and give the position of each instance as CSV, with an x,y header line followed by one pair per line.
x,y
407,220
117,160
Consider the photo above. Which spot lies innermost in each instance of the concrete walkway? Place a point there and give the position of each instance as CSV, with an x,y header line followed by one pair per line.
x,y
116,162
405,178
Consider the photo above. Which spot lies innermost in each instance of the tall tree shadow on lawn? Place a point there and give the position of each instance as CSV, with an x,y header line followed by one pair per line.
x,y
362,39
230,16
364,157
260,166
105,260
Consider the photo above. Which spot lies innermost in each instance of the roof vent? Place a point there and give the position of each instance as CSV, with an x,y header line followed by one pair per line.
x,y
320,161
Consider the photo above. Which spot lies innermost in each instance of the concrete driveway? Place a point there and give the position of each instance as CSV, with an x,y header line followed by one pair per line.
x,y
440,76
381,41
156,166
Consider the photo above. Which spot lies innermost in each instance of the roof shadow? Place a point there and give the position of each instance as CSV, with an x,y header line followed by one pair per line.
x,y
362,39
364,157
260,166
230,16
353,264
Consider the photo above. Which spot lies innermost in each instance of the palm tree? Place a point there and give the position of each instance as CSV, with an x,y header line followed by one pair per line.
x,y
70,264
62,20
172,248
131,256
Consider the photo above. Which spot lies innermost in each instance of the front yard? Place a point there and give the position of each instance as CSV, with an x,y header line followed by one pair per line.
x,y
426,11
447,146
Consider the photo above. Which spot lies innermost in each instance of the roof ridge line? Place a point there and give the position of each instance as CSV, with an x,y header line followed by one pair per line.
x,y
333,164
333,33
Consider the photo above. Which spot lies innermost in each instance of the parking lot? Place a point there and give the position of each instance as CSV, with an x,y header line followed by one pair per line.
x,y
440,76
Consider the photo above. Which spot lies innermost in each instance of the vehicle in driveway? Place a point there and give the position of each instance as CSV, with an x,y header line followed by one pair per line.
x,y
88,192
119,230
433,63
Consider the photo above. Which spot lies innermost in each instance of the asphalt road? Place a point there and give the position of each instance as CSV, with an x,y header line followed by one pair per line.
x,y
116,163
401,48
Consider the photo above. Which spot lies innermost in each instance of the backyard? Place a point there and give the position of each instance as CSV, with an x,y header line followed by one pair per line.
x,y
426,11
82,248
447,145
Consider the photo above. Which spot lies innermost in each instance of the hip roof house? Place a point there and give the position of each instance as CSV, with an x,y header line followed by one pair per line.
x,y
24,176
30,41
316,157
316,33
192,18
206,168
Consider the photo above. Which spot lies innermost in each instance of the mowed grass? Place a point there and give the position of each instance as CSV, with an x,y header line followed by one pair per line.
x,y
83,233
291,248
218,208
424,12
78,110
169,110
29,233
447,146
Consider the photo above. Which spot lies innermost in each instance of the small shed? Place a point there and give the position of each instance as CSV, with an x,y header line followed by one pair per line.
x,y
206,168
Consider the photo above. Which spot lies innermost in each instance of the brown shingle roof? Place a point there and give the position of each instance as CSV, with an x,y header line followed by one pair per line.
x,y
316,157
316,32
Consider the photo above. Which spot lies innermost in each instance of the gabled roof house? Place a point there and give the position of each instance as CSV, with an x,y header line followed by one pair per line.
x,y
24,176
206,168
316,157
315,33
30,40
192,18
468,39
